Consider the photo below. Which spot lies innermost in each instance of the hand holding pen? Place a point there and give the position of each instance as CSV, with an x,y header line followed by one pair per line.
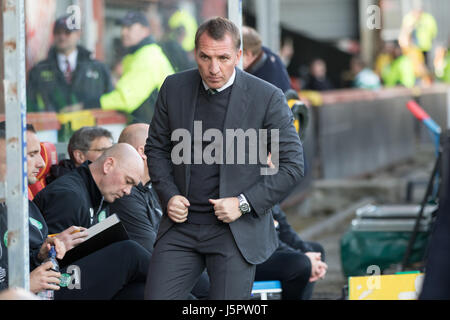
x,y
72,236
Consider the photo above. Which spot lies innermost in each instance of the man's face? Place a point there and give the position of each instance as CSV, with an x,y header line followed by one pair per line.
x,y
247,59
66,41
118,180
34,159
98,146
318,69
133,34
216,59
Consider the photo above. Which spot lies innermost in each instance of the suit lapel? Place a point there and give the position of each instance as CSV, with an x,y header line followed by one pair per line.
x,y
189,103
237,107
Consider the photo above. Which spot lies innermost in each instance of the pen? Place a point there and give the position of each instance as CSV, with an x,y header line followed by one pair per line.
x,y
55,234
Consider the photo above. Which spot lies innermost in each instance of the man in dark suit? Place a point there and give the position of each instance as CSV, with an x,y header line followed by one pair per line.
x,y
217,214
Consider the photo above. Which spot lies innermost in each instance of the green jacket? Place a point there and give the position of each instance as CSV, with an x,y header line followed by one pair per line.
x,y
145,68
424,30
399,72
446,75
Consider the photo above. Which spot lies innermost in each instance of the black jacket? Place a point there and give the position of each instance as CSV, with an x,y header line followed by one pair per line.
x,y
58,170
178,57
72,200
48,90
38,232
270,68
140,212
316,84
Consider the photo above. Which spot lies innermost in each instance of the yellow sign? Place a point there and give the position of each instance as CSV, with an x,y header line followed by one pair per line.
x,y
77,119
386,287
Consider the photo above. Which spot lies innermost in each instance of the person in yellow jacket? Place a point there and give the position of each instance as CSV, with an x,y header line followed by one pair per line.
x,y
442,64
446,74
400,71
145,67
420,27
183,19
417,58
385,57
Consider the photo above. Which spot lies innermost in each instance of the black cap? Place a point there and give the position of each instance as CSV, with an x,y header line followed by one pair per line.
x,y
133,17
65,23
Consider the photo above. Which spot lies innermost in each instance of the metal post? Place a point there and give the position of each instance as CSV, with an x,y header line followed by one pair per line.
x,y
369,30
15,111
262,20
268,23
235,15
89,26
274,27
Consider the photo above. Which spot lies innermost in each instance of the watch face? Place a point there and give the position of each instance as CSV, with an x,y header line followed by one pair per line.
x,y
244,207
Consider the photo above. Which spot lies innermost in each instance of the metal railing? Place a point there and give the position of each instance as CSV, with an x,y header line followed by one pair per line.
x,y
16,190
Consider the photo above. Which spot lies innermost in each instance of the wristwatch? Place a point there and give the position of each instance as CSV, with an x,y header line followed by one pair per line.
x,y
243,204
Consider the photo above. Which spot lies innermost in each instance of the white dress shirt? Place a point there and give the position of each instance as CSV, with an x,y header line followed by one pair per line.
x,y
72,58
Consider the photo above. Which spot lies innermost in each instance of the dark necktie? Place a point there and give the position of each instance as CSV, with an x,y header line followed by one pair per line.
x,y
68,72
212,92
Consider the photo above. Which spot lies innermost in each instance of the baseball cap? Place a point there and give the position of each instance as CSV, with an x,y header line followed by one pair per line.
x,y
65,23
133,17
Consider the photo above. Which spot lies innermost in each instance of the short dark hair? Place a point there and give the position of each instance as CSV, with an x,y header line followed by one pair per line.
x,y
30,127
3,129
82,139
217,28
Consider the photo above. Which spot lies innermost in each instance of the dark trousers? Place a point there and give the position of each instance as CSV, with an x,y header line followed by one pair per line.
x,y
293,269
182,253
117,271
201,288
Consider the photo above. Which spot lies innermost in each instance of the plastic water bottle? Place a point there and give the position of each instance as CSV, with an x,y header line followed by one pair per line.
x,y
50,294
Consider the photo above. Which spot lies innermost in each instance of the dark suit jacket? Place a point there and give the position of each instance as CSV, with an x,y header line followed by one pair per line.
x,y
140,214
254,104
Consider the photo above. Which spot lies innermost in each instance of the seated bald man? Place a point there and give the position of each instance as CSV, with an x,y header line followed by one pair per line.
x,y
140,212
79,198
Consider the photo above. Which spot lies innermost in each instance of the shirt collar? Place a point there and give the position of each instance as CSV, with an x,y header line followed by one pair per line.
x,y
226,85
72,58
